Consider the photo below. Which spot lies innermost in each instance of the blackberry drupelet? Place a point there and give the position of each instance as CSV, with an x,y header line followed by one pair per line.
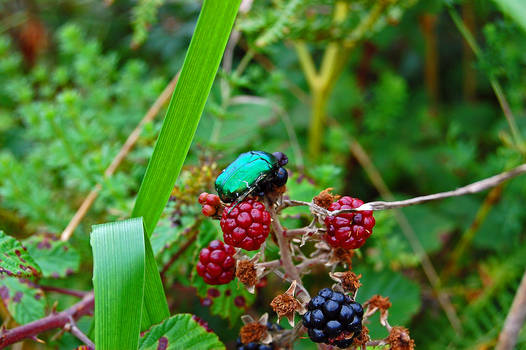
x,y
247,225
333,318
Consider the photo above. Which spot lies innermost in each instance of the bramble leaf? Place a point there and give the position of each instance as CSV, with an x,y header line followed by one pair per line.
x,y
15,260
56,258
23,300
180,332
403,293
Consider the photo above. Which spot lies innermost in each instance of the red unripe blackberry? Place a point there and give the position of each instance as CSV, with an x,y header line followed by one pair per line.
x,y
247,225
210,202
216,263
348,230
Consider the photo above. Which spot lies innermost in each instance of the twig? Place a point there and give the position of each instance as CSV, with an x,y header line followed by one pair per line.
x,y
514,320
270,264
288,266
71,327
409,233
125,149
318,260
55,320
475,187
66,291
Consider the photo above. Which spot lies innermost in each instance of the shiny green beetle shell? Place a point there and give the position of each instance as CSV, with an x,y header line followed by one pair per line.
x,y
244,174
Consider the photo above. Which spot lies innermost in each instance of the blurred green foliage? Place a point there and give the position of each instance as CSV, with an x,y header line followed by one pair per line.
x,y
64,119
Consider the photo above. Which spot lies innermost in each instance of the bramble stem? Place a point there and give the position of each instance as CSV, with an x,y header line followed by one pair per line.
x,y
283,242
55,320
66,291
73,329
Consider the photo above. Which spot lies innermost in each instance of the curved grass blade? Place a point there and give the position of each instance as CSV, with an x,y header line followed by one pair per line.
x,y
118,280
185,109
129,296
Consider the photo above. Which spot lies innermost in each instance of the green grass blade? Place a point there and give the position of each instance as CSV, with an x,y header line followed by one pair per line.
x,y
155,308
185,109
516,9
118,280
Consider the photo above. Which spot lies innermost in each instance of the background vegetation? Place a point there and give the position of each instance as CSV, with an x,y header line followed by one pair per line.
x,y
379,100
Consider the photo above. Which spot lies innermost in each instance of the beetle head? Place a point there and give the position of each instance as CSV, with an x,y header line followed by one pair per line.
x,y
281,157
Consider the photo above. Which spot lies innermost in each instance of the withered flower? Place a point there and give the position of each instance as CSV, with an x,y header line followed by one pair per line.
x,y
363,338
255,331
341,255
249,272
399,339
349,281
378,302
285,305
325,198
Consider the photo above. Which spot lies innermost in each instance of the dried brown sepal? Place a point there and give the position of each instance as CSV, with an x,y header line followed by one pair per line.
x,y
344,256
253,332
379,302
325,198
363,338
349,281
246,272
399,339
285,305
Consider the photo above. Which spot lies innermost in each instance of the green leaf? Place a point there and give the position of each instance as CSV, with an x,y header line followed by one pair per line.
x,y
14,258
516,9
23,300
185,109
180,332
56,258
128,290
403,293
429,224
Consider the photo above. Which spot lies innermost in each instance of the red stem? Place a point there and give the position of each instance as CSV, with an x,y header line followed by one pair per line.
x,y
58,320
72,292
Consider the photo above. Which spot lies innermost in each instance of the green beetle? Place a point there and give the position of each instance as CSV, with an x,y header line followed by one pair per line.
x,y
254,171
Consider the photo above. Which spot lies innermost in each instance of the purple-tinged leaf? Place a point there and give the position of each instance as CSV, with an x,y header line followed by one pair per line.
x,y
24,301
179,332
56,258
15,260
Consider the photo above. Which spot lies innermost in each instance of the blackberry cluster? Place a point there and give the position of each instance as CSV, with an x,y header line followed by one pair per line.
x,y
210,204
333,318
216,263
348,230
247,225
272,327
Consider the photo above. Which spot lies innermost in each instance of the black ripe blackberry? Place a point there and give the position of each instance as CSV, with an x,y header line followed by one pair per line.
x,y
272,327
333,318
